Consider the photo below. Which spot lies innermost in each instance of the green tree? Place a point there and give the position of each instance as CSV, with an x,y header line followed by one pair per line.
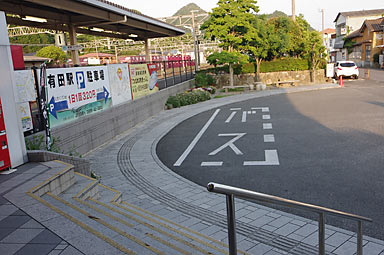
x,y
231,23
230,58
54,53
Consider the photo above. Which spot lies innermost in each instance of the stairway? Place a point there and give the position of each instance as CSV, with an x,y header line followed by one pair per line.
x,y
117,227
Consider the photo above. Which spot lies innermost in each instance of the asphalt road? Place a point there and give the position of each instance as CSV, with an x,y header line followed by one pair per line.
x,y
322,147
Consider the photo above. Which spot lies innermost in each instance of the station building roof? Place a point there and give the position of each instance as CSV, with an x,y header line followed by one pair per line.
x,y
94,17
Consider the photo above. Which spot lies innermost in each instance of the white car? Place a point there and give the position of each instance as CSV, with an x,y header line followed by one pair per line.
x,y
346,69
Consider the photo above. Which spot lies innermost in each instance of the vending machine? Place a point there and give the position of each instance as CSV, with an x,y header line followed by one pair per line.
x,y
5,161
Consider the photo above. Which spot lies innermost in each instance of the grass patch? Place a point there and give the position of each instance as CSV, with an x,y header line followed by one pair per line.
x,y
233,90
221,96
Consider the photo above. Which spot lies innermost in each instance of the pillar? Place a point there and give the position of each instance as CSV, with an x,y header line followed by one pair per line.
x,y
15,135
147,51
73,41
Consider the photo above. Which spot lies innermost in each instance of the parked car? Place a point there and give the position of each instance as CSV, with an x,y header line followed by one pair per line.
x,y
346,69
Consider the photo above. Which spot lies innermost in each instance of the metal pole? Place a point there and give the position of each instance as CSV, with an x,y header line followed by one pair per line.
x,y
181,77
321,234
359,237
231,222
165,74
173,72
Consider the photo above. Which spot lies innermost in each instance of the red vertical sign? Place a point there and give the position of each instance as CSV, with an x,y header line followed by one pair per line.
x,y
5,161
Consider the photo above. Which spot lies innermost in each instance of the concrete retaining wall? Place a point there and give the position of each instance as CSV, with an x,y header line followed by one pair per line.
x,y
86,134
80,165
304,77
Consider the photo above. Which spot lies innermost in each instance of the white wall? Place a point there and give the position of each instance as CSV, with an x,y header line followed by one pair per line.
x,y
15,137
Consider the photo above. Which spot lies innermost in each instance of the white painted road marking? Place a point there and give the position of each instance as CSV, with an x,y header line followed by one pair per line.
x,y
230,117
269,138
196,139
212,163
229,144
244,118
266,117
271,159
267,125
263,109
235,109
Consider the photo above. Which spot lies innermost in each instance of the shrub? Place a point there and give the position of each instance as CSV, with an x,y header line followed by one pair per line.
x,y
289,64
189,97
203,79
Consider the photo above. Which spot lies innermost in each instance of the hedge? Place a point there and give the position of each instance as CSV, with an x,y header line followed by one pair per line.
x,y
289,64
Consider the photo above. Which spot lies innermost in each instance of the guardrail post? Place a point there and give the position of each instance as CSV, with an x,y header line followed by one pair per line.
x,y
165,74
359,237
321,234
231,222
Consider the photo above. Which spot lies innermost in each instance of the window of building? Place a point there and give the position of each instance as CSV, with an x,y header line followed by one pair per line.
x,y
368,52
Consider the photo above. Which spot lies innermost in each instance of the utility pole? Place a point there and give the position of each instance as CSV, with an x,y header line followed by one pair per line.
x,y
195,42
293,11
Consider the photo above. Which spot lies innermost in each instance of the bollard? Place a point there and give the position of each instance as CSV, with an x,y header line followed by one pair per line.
x,y
341,81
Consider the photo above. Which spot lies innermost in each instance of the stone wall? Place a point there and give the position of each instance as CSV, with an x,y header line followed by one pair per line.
x,y
304,78
87,133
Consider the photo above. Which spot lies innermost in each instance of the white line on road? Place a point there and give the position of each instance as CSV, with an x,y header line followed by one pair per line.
x,y
244,118
212,163
266,117
271,159
269,138
230,117
235,109
263,109
267,125
196,139
230,144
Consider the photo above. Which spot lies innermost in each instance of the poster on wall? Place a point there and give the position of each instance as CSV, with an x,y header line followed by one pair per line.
x,y
25,87
26,117
76,92
120,84
143,79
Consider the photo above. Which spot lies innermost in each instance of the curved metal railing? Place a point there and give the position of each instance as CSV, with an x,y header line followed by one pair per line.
x,y
231,192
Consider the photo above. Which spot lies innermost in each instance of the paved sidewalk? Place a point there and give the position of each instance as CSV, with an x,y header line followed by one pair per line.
x,y
129,164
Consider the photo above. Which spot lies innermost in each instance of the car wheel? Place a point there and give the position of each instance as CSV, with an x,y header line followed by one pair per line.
x,y
356,77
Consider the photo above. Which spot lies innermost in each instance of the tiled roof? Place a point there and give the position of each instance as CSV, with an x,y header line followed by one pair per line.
x,y
354,34
360,13
373,25
328,31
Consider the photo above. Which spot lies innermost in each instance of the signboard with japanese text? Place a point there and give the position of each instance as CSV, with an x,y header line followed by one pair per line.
x,y
25,88
76,92
143,79
25,115
120,84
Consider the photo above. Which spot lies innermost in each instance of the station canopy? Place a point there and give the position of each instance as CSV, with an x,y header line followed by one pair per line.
x,y
93,17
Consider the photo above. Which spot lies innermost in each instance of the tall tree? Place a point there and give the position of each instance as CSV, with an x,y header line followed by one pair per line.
x,y
54,53
231,22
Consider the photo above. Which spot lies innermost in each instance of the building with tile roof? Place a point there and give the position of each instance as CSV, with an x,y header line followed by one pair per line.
x,y
348,22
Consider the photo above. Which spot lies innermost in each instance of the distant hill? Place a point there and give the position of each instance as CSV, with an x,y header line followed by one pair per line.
x,y
186,10
277,14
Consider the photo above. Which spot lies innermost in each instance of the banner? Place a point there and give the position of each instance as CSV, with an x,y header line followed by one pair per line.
x,y
120,83
26,117
25,88
143,79
76,92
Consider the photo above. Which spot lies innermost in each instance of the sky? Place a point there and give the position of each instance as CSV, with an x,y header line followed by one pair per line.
x,y
310,8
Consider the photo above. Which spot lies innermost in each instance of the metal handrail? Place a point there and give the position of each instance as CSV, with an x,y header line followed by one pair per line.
x,y
231,192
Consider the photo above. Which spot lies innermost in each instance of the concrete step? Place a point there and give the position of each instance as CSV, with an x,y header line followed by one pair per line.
x,y
109,238
192,242
119,225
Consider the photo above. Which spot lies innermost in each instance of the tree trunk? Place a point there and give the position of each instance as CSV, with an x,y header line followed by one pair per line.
x,y
258,63
230,74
